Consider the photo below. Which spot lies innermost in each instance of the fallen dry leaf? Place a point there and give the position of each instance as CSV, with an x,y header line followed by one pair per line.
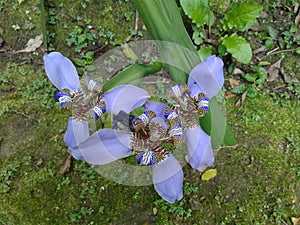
x,y
259,50
32,44
66,165
234,83
274,70
287,78
237,71
295,220
240,102
229,95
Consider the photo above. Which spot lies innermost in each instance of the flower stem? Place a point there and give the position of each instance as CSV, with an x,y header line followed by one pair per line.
x,y
44,25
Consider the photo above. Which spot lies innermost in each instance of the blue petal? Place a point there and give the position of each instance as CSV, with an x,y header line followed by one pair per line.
x,y
76,133
208,76
61,72
200,154
168,179
157,107
124,97
105,146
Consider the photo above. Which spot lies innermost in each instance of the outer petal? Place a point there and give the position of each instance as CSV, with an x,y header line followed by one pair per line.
x,y
157,107
61,72
168,179
208,75
200,154
124,97
105,146
76,133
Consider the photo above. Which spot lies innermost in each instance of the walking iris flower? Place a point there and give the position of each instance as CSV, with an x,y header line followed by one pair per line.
x,y
153,135
86,98
205,81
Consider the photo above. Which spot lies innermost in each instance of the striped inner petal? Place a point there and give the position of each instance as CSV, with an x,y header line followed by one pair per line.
x,y
146,158
203,103
176,131
62,97
98,111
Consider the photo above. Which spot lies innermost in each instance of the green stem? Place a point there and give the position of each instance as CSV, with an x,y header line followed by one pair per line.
x,y
44,25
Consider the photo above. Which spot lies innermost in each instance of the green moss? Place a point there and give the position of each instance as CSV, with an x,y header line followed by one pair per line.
x,y
109,14
20,22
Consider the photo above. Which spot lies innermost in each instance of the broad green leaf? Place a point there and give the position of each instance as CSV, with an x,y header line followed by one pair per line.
x,y
243,16
238,47
163,21
198,11
132,73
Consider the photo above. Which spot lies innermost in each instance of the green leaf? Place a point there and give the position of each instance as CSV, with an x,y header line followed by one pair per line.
x,y
198,11
163,21
243,16
238,47
204,52
272,32
81,38
79,62
132,73
214,124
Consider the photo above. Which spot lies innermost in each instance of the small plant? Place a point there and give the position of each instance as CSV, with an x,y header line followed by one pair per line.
x,y
255,81
6,176
179,208
239,18
85,62
80,38
105,35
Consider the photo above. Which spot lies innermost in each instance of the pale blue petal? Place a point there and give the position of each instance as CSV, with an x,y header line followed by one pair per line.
x,y
168,179
157,107
105,146
124,97
76,133
61,72
208,75
200,154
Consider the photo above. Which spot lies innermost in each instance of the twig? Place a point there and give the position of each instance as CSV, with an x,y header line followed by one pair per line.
x,y
282,51
271,52
136,25
274,51
23,114
281,86
283,221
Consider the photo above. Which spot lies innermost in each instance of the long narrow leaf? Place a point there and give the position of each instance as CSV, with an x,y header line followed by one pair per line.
x,y
132,73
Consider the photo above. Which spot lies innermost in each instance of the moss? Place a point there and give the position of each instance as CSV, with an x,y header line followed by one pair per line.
x,y
109,14
26,16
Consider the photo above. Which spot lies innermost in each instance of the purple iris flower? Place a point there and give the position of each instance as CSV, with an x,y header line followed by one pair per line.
x,y
205,81
150,134
107,145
